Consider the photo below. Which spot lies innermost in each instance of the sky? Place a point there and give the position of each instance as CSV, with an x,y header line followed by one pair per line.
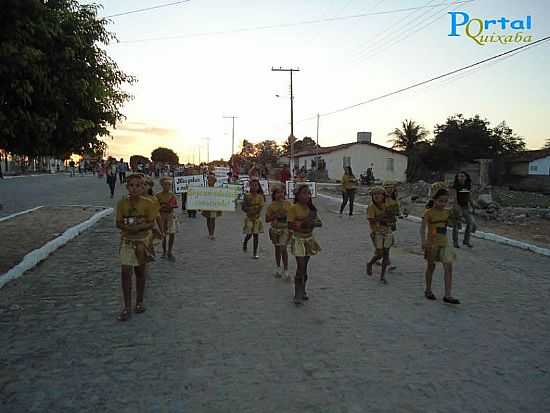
x,y
188,84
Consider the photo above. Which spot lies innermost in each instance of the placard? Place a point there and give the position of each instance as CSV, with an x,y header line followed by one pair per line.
x,y
210,199
182,183
291,185
221,171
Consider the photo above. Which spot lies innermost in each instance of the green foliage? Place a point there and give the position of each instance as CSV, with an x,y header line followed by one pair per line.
x,y
165,156
135,160
59,90
410,135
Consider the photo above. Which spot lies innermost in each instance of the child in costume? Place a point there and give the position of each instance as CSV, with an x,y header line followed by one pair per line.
x,y
168,203
211,215
277,215
380,221
252,205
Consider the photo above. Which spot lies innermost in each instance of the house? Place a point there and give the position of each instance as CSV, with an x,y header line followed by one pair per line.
x,y
530,163
386,163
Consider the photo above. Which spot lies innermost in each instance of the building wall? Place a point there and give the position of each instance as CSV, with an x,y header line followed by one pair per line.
x,y
540,167
362,156
519,168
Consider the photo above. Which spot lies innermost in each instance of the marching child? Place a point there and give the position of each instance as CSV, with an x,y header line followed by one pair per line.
x,y
168,203
211,215
135,216
277,214
302,219
252,205
150,195
393,210
380,220
433,235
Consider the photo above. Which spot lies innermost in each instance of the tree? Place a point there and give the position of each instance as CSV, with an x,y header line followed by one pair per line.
x,y
59,90
408,136
135,160
547,144
267,152
299,145
165,156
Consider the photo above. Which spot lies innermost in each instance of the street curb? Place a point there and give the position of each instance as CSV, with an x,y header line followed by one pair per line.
x,y
34,257
20,213
499,239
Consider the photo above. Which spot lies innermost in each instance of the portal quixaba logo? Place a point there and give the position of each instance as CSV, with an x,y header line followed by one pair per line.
x,y
502,30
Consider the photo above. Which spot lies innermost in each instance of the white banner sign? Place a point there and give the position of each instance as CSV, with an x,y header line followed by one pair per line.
x,y
221,171
182,183
210,199
291,185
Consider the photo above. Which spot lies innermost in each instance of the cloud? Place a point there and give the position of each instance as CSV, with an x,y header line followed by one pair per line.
x,y
143,128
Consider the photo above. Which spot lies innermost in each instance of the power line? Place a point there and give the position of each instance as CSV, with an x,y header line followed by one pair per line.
x,y
413,86
283,25
160,6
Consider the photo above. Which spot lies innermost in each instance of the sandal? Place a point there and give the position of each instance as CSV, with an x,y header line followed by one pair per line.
x,y
124,315
429,295
451,300
139,308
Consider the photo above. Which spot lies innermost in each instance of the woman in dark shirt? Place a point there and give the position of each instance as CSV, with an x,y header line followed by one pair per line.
x,y
463,186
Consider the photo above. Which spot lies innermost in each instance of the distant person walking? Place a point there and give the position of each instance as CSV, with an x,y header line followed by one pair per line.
x,y
462,187
285,176
72,168
121,168
111,172
349,187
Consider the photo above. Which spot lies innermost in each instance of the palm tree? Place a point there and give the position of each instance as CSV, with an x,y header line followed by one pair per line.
x,y
408,136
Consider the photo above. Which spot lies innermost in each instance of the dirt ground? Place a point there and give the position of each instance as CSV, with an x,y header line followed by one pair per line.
x,y
27,232
534,230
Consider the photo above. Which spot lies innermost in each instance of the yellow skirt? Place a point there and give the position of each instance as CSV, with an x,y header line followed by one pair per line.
x,y
134,253
279,236
170,223
253,226
211,214
382,241
444,254
304,245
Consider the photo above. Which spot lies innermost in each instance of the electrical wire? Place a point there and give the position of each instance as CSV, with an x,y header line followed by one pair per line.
x,y
160,6
424,82
284,25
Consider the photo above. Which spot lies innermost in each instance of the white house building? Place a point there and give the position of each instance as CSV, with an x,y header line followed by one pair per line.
x,y
532,163
386,163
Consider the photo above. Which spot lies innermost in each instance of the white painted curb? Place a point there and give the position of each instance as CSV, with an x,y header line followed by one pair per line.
x,y
34,257
478,234
20,213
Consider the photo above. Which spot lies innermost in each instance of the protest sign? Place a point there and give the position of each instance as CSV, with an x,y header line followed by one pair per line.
x,y
210,199
182,183
292,185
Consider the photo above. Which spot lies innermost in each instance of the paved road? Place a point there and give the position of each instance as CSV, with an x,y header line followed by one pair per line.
x,y
18,194
221,335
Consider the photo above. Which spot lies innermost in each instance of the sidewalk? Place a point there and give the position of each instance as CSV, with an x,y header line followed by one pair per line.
x,y
221,335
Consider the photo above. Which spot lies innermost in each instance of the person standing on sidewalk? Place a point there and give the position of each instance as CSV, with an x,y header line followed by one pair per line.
x,y
349,187
302,219
277,215
462,187
433,236
252,205
135,217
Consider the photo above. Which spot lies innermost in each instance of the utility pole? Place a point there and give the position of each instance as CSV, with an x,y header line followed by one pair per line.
x,y
232,132
280,69
207,149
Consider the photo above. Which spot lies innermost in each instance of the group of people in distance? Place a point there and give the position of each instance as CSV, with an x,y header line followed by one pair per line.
x,y
145,218
382,214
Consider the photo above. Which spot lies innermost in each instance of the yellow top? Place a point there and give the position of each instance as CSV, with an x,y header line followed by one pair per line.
x,y
254,204
298,213
437,220
167,201
349,183
392,208
278,210
156,204
376,215
138,211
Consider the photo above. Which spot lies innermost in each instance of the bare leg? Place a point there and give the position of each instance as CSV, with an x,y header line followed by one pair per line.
x,y
448,279
278,256
284,256
245,243
378,254
385,263
140,286
171,238
126,284
429,275
256,241
213,220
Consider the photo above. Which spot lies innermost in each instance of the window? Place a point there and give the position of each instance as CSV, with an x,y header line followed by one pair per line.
x,y
347,161
389,164
533,168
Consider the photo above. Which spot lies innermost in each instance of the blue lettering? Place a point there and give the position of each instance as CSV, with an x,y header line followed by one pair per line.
x,y
503,21
488,22
517,25
529,22
454,21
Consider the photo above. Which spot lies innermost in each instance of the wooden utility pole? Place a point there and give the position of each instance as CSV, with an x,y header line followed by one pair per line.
x,y
232,133
280,69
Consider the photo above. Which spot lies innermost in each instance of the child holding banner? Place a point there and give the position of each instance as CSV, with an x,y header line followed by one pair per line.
x,y
277,214
302,219
135,216
211,215
252,205
168,202
380,221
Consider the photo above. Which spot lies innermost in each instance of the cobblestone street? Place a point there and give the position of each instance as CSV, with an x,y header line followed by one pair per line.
x,y
221,334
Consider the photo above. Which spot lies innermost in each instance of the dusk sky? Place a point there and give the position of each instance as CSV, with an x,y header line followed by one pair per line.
x,y
186,85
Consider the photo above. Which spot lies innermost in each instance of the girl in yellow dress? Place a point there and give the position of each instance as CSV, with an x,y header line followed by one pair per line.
x,y
381,233
277,214
302,219
211,215
349,187
252,205
433,235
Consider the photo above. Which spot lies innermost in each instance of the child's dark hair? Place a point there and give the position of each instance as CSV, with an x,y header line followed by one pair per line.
x,y
260,189
467,184
440,192
274,192
310,202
